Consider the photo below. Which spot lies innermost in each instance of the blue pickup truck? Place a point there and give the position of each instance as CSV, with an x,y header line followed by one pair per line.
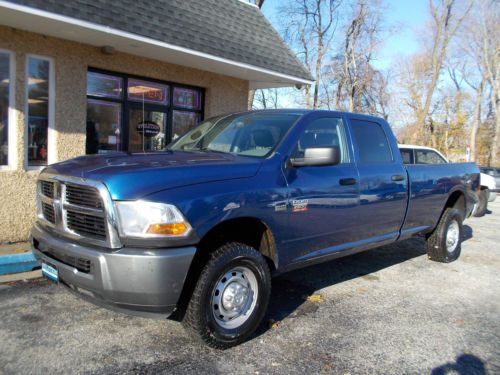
x,y
200,227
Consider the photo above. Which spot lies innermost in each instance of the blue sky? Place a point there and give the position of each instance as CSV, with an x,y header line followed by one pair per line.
x,y
408,16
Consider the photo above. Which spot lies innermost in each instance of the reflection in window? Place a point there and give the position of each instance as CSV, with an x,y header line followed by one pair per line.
x,y
4,107
182,122
104,85
149,92
103,126
38,110
186,98
323,132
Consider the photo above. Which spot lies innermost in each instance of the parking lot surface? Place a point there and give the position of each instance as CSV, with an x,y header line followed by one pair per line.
x,y
387,311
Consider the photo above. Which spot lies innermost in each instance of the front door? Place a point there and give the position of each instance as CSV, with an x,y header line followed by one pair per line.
x,y
323,200
147,130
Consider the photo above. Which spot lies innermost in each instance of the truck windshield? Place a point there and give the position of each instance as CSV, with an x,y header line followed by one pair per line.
x,y
250,134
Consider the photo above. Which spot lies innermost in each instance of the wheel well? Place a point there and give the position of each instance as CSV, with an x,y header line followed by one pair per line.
x,y
457,200
250,231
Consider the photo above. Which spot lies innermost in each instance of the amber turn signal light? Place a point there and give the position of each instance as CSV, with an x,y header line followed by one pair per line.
x,y
168,229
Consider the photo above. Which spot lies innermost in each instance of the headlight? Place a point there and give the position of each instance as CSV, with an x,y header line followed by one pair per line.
x,y
151,219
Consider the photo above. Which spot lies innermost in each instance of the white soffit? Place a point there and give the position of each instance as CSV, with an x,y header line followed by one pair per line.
x,y
41,22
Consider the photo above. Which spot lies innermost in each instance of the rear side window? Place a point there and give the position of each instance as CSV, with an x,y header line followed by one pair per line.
x,y
372,142
428,157
407,155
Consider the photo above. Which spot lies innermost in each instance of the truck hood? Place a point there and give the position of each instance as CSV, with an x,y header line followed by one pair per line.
x,y
134,176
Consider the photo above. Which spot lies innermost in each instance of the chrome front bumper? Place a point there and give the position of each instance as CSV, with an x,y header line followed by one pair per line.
x,y
131,280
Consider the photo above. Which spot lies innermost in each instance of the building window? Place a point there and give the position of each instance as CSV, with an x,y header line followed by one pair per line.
x,y
39,111
6,94
137,114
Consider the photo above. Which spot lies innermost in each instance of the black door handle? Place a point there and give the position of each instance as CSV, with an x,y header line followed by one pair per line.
x,y
347,181
397,177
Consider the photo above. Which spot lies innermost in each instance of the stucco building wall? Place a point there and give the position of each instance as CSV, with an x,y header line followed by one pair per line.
x,y
71,62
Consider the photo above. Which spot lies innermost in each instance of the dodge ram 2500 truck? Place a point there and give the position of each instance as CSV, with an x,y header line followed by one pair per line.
x,y
200,227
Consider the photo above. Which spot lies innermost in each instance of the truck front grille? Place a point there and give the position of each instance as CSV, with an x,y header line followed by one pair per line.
x,y
86,225
48,212
82,195
81,264
47,188
77,208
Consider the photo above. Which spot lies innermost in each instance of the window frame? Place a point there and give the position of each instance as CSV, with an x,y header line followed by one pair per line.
x,y
127,104
11,125
51,144
357,146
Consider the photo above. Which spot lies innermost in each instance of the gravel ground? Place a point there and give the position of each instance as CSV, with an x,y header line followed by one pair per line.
x,y
387,311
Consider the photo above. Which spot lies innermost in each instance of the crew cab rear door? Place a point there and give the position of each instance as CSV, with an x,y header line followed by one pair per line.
x,y
383,180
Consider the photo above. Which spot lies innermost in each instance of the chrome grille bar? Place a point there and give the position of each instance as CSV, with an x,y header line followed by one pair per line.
x,y
82,209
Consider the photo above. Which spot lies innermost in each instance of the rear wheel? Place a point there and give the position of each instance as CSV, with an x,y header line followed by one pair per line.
x,y
482,205
230,297
445,243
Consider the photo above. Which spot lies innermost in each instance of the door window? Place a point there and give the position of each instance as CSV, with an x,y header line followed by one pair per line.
x,y
407,155
373,146
428,157
103,126
323,132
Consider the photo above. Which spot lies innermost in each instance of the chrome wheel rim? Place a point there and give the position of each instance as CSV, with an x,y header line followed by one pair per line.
x,y
452,236
234,297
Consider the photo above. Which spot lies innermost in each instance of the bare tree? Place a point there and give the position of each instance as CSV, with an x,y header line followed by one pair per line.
x,y
445,23
489,42
310,26
355,84
266,98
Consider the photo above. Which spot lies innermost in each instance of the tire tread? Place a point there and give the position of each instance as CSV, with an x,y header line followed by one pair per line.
x,y
193,320
436,249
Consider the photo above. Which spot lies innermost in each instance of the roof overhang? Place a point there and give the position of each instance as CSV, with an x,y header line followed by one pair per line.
x,y
47,23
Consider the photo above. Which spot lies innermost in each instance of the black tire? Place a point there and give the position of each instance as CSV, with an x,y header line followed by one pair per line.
x,y
482,205
200,320
437,247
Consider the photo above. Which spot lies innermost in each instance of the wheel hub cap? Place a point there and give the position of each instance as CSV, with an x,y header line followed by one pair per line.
x,y
234,297
452,236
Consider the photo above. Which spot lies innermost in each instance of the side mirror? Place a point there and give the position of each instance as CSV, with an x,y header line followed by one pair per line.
x,y
318,156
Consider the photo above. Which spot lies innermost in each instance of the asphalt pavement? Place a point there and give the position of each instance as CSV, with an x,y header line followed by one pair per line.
x,y
385,311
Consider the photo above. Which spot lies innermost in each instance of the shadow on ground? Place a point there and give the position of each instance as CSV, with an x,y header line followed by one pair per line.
x,y
291,290
466,364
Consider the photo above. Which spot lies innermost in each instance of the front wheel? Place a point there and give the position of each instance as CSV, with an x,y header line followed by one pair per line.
x,y
445,243
230,297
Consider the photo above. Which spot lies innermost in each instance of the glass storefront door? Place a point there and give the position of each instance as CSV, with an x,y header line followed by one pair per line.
x,y
146,130
128,113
